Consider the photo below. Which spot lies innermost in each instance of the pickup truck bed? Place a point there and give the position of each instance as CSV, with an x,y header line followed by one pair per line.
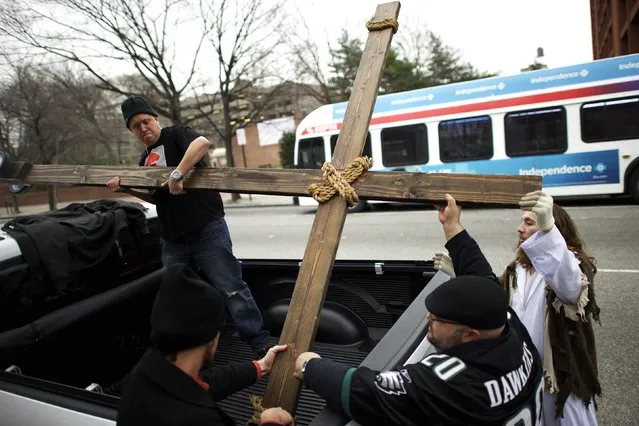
x,y
74,349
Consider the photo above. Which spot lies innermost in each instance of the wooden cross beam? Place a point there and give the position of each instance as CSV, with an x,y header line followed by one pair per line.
x,y
386,186
312,281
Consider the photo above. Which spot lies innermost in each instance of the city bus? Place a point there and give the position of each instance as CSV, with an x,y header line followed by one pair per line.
x,y
576,126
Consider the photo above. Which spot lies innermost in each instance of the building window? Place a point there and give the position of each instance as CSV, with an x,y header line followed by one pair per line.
x,y
368,151
536,132
466,139
404,145
610,120
310,153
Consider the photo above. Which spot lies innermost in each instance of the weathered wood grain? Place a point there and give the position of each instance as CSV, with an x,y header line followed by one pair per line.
x,y
387,186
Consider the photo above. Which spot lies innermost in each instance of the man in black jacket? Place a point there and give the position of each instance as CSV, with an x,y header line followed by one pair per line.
x,y
485,371
192,222
173,384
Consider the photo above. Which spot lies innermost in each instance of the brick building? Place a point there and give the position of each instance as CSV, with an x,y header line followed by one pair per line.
x,y
277,111
615,27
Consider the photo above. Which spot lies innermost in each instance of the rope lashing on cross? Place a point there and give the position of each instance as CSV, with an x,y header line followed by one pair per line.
x,y
383,24
334,182
256,402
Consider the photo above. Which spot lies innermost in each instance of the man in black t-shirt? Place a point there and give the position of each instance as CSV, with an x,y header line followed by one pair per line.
x,y
192,222
486,370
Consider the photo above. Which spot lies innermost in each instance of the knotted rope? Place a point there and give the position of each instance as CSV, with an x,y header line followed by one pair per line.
x,y
383,24
334,182
256,402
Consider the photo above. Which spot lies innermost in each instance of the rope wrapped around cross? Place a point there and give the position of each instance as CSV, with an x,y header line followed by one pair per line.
x,y
334,182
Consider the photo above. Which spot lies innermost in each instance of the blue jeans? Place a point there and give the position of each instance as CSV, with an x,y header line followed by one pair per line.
x,y
211,251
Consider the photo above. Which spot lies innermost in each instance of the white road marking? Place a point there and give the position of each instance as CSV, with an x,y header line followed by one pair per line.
x,y
627,271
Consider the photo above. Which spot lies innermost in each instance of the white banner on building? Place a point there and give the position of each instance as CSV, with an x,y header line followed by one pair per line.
x,y
270,131
241,136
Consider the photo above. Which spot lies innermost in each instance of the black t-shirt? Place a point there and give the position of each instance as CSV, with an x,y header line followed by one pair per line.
x,y
180,215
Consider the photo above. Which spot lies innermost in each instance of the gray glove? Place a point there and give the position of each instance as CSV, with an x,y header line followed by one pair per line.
x,y
444,263
539,203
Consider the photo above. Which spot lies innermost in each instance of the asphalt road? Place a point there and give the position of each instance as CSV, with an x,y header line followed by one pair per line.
x,y
610,230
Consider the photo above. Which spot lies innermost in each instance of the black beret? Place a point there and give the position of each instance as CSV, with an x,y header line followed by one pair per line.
x,y
477,302
136,105
187,312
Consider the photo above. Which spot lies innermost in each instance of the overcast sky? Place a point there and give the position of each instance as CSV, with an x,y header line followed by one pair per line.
x,y
497,36
494,35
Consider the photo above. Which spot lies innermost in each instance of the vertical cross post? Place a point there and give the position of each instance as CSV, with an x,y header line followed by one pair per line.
x,y
313,278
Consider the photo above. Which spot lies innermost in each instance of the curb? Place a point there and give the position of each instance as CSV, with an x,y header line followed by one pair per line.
x,y
257,200
245,203
243,206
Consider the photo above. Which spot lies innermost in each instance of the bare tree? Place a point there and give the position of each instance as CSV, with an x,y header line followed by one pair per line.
x,y
306,58
10,143
30,101
10,132
413,44
57,115
134,33
246,37
438,62
96,118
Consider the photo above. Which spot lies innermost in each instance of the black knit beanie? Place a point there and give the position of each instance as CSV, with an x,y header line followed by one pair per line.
x,y
187,312
136,105
469,300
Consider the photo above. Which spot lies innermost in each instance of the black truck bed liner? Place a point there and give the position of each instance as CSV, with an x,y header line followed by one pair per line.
x,y
238,405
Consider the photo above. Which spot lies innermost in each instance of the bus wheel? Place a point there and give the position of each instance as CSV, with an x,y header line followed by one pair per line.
x,y
361,206
633,185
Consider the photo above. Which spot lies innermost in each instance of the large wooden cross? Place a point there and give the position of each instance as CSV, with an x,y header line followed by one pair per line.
x,y
313,278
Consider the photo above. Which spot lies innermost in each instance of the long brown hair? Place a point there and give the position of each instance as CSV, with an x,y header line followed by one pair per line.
x,y
568,230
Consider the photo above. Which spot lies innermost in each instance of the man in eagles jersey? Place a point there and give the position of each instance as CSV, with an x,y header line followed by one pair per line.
x,y
486,370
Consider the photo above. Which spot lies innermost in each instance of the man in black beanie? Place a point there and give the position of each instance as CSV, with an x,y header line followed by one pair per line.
x,y
174,383
192,223
485,371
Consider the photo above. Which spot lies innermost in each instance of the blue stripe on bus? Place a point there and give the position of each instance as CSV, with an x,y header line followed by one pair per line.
x,y
585,168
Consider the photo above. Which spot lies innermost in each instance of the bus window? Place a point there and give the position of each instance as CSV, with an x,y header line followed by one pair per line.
x,y
404,145
610,120
311,153
368,151
466,139
536,132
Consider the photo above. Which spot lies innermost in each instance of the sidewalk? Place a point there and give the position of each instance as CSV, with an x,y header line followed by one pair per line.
x,y
252,200
256,200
